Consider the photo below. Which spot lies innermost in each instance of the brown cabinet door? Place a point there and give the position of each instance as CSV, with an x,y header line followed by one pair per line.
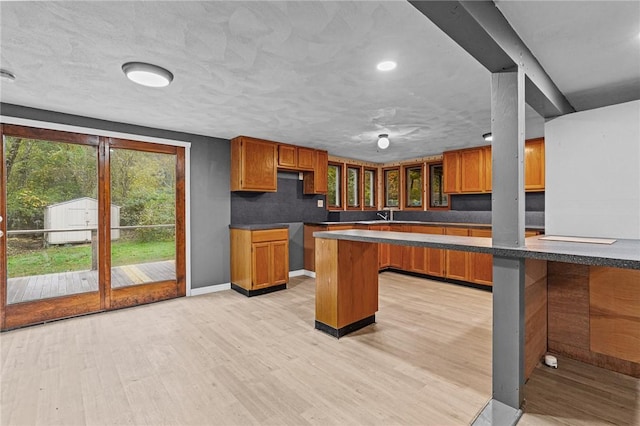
x,y
253,165
279,262
481,264
487,168
287,156
306,158
472,170
534,171
315,182
261,265
451,172
396,253
435,257
456,262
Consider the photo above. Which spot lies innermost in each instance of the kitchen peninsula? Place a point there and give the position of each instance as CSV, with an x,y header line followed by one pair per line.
x,y
344,284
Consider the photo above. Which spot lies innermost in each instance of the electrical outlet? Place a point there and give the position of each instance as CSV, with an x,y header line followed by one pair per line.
x,y
300,176
320,203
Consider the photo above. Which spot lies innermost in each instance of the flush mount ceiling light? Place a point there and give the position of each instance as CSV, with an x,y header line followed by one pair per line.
x,y
487,137
386,66
7,75
147,74
383,141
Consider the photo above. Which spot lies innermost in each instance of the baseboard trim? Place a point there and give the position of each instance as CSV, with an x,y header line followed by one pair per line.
x,y
297,273
210,289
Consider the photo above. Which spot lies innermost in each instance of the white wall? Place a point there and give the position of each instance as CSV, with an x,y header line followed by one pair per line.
x,y
593,173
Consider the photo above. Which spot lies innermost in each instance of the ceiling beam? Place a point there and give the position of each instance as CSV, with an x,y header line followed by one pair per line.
x,y
480,29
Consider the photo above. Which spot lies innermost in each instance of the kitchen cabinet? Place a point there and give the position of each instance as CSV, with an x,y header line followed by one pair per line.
x,y
534,170
315,182
396,257
469,170
457,262
428,261
480,264
293,157
383,249
487,168
259,260
472,170
451,172
253,165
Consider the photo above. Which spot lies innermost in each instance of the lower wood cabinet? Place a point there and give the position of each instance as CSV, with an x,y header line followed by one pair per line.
x,y
472,267
480,264
457,262
427,261
259,260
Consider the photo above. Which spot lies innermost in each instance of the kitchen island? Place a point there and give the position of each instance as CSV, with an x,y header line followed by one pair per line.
x,y
346,290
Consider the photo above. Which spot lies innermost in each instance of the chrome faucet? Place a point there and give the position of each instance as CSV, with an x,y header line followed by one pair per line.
x,y
383,216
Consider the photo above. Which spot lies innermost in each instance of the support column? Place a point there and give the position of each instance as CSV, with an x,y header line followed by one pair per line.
x,y
508,223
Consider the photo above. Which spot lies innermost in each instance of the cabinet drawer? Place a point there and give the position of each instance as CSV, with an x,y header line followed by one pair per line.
x,y
269,235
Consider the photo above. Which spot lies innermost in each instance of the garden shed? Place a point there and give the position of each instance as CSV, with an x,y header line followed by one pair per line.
x,y
80,213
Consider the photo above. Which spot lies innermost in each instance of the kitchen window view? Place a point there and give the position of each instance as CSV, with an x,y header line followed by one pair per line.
x,y
353,186
333,185
392,188
369,188
437,197
413,181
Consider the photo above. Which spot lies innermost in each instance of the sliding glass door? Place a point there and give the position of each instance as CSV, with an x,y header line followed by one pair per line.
x,y
88,224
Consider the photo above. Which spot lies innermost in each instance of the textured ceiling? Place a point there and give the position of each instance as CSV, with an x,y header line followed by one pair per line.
x,y
590,49
296,72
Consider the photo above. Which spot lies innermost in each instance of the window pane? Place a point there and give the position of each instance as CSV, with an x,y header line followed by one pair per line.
x,y
52,215
143,244
369,188
333,195
414,187
392,188
437,196
353,185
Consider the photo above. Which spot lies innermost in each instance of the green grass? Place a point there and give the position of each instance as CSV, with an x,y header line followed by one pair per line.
x,y
78,258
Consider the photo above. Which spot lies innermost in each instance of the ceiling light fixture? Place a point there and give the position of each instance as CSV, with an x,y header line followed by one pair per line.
x,y
147,74
7,75
488,137
383,141
386,66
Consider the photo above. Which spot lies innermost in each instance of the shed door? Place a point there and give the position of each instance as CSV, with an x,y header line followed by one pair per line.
x,y
63,252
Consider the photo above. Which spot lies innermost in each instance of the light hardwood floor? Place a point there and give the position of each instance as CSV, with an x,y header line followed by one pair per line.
x,y
226,359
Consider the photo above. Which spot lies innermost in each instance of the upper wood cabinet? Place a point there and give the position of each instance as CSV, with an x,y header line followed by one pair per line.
x,y
469,170
316,182
472,170
253,165
451,171
295,157
487,168
534,165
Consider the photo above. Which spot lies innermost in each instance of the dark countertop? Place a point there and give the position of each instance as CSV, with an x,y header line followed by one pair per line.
x,y
417,222
621,254
258,227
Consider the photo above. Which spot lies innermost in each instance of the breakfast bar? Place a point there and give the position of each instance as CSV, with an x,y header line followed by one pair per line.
x,y
608,290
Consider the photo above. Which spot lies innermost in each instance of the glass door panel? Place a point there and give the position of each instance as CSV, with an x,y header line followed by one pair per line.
x,y
52,218
143,217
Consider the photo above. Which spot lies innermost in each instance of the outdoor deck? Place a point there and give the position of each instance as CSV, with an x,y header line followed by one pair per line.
x,y
35,287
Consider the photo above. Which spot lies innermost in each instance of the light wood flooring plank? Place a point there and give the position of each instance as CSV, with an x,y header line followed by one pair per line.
x,y
223,358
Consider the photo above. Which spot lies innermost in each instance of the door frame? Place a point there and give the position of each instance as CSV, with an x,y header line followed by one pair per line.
x,y
81,305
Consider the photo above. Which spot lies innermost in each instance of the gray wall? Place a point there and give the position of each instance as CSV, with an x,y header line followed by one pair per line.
x,y
289,205
210,199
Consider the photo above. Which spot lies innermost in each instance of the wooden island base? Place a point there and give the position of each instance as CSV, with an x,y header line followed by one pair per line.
x,y
346,285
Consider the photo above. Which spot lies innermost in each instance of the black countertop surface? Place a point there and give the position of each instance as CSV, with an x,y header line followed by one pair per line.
x,y
260,226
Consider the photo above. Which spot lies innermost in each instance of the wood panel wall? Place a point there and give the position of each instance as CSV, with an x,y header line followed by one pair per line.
x,y
569,318
535,313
